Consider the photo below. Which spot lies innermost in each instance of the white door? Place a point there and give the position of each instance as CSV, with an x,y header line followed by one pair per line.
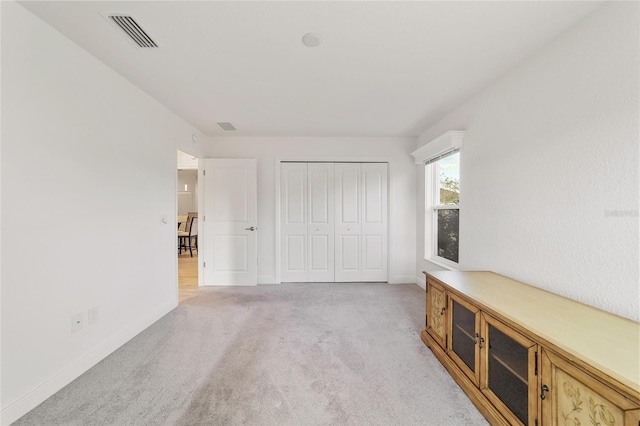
x,y
374,222
361,222
293,213
307,215
320,229
333,222
229,234
348,227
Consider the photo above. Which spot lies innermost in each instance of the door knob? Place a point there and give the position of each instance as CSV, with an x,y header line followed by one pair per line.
x,y
250,229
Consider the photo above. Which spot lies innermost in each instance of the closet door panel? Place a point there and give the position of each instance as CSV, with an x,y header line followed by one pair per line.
x,y
350,194
372,255
350,248
293,198
348,227
320,226
374,222
296,263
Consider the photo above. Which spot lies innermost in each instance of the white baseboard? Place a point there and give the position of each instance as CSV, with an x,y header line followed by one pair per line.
x,y
402,279
267,280
41,392
421,281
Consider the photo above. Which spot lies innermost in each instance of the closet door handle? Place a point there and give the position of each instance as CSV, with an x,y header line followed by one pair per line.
x,y
253,228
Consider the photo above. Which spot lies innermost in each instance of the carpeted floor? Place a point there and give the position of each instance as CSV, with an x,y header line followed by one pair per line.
x,y
289,354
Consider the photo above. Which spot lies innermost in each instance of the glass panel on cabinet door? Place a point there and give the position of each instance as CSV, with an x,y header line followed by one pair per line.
x,y
508,372
463,334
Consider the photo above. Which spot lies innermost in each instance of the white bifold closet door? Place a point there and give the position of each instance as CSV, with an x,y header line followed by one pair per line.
x,y
333,222
307,202
361,222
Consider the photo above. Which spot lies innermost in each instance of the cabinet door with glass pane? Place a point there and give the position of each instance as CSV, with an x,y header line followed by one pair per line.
x,y
508,376
436,313
464,326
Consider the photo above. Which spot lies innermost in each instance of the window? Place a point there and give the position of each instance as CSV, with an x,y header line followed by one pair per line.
x,y
442,210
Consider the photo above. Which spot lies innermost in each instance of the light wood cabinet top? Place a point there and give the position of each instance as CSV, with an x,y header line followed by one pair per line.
x,y
606,341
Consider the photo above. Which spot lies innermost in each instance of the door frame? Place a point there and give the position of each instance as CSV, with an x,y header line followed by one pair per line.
x,y
278,233
198,195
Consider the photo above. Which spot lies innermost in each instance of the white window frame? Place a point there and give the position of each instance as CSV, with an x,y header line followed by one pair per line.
x,y
448,142
432,205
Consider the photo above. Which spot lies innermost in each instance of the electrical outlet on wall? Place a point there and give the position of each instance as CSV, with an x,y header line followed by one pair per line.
x,y
92,315
77,322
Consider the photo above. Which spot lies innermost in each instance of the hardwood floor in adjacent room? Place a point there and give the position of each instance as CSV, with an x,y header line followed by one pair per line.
x,y
187,275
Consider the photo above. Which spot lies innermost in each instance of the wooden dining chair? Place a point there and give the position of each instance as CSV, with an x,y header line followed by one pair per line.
x,y
186,238
182,222
193,235
183,234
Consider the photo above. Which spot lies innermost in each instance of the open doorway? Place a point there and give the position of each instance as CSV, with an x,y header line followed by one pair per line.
x,y
187,202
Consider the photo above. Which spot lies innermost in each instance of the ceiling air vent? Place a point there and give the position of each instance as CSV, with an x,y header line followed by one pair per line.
x,y
133,29
226,126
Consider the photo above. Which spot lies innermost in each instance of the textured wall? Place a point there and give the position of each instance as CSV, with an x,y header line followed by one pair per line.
x,y
550,156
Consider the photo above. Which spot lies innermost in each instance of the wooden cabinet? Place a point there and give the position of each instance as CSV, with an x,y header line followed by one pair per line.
x,y
573,397
525,356
436,310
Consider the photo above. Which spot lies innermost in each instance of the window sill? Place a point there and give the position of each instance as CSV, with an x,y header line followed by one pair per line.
x,y
442,264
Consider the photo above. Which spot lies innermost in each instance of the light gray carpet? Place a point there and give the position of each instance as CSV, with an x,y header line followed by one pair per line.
x,y
290,354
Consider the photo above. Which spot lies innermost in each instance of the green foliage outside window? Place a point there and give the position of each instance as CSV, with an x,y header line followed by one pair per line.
x,y
449,190
448,227
449,219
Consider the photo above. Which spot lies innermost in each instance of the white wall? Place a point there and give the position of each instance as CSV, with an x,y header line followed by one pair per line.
x,y
88,169
550,149
187,161
190,178
401,180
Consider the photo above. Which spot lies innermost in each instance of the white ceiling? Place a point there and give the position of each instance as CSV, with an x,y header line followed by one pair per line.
x,y
384,68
